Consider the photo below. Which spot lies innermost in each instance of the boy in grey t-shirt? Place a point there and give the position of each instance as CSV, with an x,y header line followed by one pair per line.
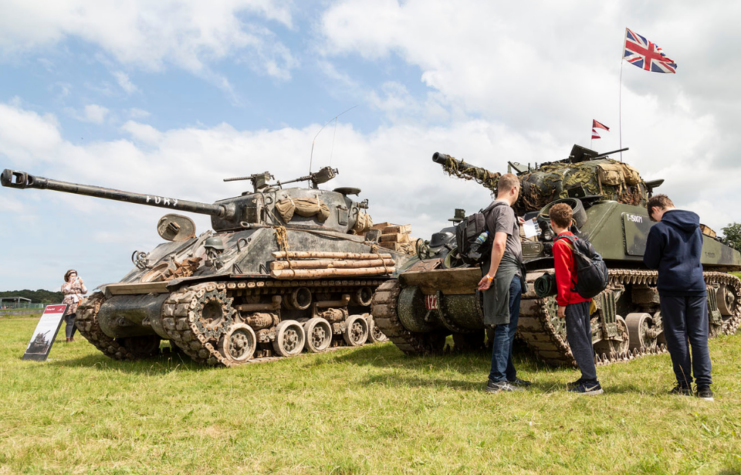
x,y
501,285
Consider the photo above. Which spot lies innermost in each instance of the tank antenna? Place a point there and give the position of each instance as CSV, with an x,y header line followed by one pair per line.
x,y
311,158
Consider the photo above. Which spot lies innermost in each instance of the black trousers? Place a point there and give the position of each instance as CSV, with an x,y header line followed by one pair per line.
x,y
70,329
686,318
579,336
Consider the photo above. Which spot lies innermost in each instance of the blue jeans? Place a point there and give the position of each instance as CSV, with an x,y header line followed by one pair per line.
x,y
502,368
686,318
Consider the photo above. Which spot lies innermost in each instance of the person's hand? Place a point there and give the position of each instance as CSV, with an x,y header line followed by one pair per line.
x,y
484,283
79,279
521,220
561,311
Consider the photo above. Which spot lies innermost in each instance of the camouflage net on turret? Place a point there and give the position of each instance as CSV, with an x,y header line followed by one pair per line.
x,y
481,176
614,180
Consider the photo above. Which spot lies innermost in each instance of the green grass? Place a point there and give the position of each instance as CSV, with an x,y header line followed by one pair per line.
x,y
367,410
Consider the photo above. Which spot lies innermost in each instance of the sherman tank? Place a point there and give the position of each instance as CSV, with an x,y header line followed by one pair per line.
x,y
284,270
435,295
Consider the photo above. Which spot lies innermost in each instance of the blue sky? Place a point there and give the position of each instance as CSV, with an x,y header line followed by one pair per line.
x,y
170,97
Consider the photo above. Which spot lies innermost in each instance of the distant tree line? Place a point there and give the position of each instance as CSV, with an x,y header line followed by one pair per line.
x,y
36,296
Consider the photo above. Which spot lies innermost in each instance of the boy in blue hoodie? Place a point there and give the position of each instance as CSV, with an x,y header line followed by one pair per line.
x,y
674,247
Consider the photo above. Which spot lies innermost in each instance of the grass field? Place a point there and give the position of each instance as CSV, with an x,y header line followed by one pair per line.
x,y
368,410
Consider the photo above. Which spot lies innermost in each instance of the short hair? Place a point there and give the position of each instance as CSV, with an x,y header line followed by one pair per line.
x,y
658,201
507,182
67,274
561,214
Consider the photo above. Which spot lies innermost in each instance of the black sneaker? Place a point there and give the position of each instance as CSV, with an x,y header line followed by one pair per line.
x,y
682,390
704,392
500,386
574,384
520,382
587,389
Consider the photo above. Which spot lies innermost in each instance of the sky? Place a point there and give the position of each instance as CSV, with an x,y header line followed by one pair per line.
x,y
171,97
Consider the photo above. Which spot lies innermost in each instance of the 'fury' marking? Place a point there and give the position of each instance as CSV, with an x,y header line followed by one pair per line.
x,y
163,201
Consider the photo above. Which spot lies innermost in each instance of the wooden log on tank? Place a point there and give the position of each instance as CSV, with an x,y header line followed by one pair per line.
x,y
330,264
312,273
328,255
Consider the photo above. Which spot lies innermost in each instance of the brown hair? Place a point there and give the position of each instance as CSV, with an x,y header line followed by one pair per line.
x,y
67,274
658,201
561,214
507,182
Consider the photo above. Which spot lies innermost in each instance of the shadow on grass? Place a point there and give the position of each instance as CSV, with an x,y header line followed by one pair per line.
x,y
157,365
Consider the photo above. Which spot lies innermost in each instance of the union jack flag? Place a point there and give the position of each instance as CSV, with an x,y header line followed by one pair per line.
x,y
646,55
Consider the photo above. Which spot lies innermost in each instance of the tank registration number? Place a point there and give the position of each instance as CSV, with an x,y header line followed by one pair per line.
x,y
634,218
431,302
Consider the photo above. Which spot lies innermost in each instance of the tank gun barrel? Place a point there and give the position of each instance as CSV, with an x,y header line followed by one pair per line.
x,y
18,179
466,171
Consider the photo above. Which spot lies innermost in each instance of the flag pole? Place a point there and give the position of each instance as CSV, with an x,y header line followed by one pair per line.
x,y
591,141
620,94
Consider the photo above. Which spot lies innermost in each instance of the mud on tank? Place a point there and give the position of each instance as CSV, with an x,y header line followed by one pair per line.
x,y
284,270
435,295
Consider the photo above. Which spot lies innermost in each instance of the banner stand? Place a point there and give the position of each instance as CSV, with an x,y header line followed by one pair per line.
x,y
46,333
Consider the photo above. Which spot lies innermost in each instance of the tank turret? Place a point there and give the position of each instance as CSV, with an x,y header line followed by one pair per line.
x,y
585,173
268,204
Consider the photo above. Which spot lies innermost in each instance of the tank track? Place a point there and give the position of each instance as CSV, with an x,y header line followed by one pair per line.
x,y
179,320
87,324
181,316
384,313
549,343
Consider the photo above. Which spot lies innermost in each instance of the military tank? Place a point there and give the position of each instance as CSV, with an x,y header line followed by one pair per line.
x,y
435,295
284,270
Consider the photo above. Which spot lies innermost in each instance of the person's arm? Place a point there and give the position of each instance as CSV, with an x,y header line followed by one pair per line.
x,y
83,289
563,261
652,255
67,289
497,251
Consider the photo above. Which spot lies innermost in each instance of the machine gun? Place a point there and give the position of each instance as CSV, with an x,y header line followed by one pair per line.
x,y
260,180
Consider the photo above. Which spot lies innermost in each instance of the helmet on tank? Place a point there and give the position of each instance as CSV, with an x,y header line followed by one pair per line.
x,y
214,243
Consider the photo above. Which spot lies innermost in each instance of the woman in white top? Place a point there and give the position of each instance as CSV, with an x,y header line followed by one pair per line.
x,y
73,289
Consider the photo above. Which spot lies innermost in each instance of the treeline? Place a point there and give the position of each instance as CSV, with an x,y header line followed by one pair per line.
x,y
36,296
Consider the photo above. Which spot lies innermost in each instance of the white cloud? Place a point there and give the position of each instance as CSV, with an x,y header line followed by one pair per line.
x,y
125,83
135,113
189,34
548,65
92,113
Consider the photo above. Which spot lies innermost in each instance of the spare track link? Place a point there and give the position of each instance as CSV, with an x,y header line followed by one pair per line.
x,y
179,320
383,309
536,329
86,322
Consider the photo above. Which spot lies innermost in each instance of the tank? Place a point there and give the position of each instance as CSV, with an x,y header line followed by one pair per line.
x,y
434,296
284,270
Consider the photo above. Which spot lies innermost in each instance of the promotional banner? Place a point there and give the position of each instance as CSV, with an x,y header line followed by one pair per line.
x,y
45,333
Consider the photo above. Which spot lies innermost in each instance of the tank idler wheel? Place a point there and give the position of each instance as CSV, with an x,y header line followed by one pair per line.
x,y
641,330
289,338
238,343
147,346
726,300
375,335
356,330
318,333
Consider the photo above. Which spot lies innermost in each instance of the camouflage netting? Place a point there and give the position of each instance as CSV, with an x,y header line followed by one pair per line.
x,y
306,207
610,178
479,175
